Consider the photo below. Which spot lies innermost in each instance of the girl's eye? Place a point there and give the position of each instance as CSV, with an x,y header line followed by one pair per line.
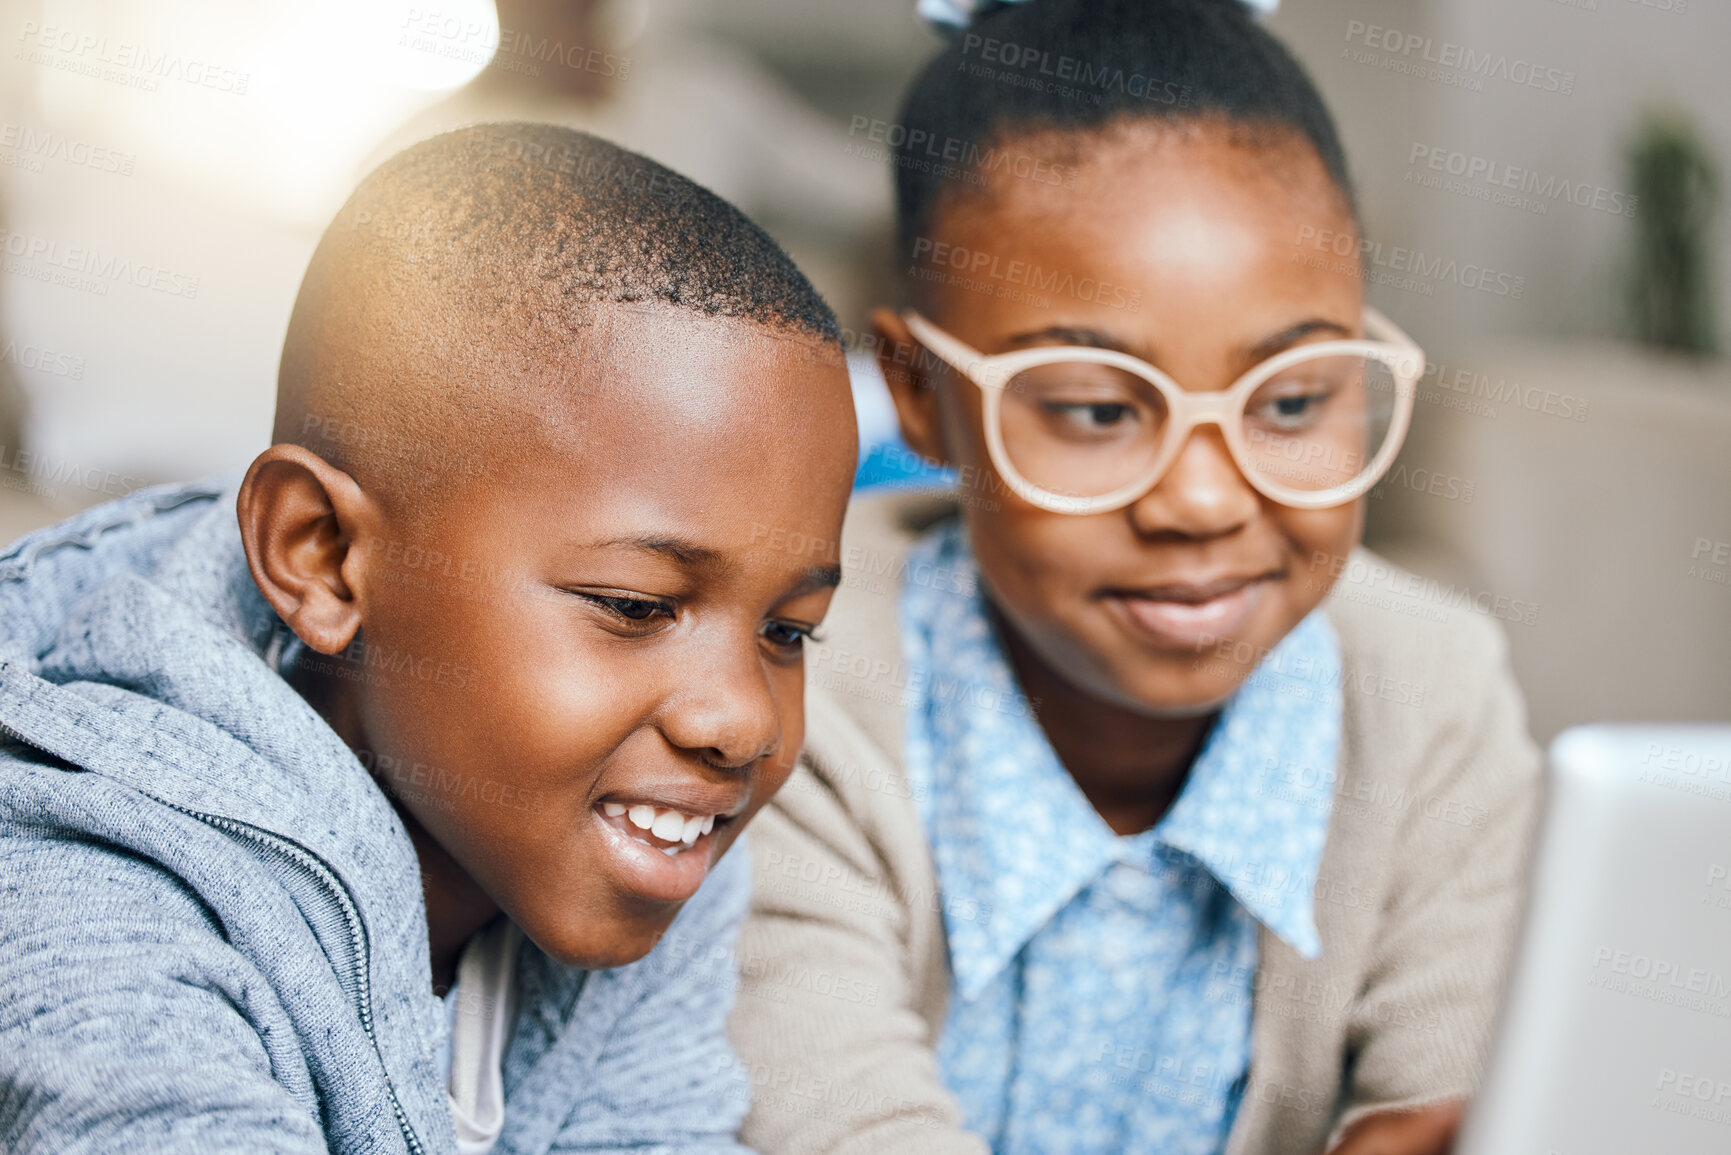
x,y
1293,410
786,635
1090,416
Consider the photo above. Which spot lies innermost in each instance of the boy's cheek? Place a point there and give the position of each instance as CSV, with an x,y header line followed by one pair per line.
x,y
773,774
770,783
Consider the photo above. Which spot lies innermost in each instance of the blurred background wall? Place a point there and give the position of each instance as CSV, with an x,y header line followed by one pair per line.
x,y
166,167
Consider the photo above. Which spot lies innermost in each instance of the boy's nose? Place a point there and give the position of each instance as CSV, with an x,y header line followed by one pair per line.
x,y
1204,494
726,712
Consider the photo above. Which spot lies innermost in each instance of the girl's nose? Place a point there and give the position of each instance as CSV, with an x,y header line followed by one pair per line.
x,y
1203,495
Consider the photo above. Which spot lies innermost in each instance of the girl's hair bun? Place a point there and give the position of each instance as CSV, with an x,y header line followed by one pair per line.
x,y
958,14
1077,66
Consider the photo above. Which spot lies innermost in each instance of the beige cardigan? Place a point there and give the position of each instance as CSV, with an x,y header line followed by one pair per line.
x,y
844,964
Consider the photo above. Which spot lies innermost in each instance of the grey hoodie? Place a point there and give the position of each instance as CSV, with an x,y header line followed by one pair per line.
x,y
212,936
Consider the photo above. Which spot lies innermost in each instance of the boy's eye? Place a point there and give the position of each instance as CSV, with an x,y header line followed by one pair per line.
x,y
634,608
631,609
786,635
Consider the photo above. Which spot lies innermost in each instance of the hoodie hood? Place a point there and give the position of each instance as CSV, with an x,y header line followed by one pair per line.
x,y
168,657
135,645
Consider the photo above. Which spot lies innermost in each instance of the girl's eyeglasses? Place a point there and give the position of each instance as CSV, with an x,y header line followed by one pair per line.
x,y
1075,429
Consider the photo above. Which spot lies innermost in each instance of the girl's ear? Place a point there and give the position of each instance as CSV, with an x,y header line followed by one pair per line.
x,y
903,361
300,522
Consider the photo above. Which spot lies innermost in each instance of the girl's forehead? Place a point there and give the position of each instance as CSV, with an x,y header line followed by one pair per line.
x,y
1142,210
1142,166
1184,248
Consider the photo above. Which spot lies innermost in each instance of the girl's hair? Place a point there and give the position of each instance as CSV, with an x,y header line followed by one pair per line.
x,y
1079,65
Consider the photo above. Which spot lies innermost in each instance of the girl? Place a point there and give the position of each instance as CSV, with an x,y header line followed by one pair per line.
x,y
1142,811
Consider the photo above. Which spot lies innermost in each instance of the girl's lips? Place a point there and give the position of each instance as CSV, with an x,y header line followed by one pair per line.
x,y
1191,625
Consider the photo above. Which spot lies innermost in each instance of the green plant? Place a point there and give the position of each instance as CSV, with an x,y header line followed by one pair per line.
x,y
1677,189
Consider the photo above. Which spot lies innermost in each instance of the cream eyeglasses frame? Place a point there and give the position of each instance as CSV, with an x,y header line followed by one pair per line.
x,y
1225,408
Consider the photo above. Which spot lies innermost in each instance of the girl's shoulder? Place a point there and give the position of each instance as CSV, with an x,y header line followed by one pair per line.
x,y
1425,648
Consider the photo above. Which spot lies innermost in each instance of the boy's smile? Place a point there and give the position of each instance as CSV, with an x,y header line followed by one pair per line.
x,y
631,656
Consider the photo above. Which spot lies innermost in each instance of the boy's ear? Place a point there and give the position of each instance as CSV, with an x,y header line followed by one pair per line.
x,y
300,520
915,393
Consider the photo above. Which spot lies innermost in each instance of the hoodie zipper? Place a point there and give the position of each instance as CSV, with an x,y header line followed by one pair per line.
x,y
298,859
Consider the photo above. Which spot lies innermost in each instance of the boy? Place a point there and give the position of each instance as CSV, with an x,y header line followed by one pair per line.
x,y
464,692
1126,834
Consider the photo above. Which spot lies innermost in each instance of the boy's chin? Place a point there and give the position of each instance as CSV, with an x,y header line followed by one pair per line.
x,y
603,943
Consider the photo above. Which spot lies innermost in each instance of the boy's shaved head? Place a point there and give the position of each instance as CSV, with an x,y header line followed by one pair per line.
x,y
458,281
543,407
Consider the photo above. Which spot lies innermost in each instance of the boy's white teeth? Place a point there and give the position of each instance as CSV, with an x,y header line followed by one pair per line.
x,y
667,825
